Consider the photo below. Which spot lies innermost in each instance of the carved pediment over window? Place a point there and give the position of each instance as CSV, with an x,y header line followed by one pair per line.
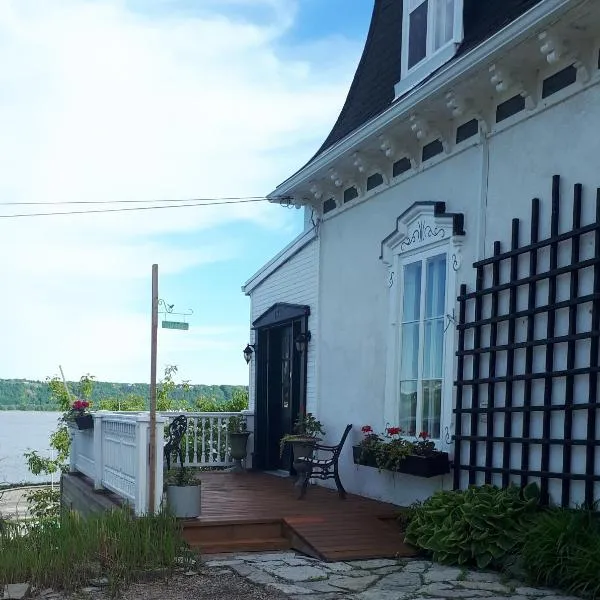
x,y
423,224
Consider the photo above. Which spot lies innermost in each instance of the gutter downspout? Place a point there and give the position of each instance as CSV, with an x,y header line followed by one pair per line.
x,y
483,192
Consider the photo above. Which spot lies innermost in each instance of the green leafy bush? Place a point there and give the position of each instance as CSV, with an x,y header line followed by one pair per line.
x,y
481,525
562,549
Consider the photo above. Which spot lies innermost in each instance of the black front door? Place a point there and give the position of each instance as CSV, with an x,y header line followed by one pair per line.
x,y
280,391
280,394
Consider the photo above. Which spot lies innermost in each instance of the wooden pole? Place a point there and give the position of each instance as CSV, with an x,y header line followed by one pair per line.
x,y
65,384
153,351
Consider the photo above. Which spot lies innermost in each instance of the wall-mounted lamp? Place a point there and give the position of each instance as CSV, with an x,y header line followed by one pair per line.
x,y
248,352
301,340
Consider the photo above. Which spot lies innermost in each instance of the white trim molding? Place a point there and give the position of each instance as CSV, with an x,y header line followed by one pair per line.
x,y
421,232
420,226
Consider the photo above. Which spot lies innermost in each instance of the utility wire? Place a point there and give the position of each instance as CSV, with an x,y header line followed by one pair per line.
x,y
113,210
180,200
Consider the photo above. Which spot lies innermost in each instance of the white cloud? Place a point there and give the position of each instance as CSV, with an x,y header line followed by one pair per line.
x,y
101,102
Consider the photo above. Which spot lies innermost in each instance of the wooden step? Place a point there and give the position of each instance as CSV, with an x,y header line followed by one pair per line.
x,y
263,545
234,535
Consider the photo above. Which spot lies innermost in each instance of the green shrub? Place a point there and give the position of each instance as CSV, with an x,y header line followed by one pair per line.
x,y
562,549
67,555
482,525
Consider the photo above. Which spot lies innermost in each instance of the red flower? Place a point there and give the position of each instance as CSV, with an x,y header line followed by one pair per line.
x,y
424,435
394,430
367,429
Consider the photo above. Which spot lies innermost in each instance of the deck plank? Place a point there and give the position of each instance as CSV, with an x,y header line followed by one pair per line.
x,y
328,527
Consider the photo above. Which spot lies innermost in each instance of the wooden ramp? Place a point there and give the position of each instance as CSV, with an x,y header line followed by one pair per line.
x,y
260,512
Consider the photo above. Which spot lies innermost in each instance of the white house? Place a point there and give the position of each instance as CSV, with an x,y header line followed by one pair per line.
x,y
461,113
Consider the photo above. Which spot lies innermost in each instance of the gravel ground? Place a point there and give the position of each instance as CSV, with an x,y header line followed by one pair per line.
x,y
281,575
210,584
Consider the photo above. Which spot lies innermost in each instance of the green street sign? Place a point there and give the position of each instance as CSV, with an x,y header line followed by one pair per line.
x,y
175,325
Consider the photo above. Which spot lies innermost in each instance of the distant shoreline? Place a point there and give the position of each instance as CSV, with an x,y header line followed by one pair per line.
x,y
30,409
24,484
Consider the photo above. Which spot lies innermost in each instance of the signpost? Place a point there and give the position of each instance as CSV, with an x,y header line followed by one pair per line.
x,y
167,309
153,352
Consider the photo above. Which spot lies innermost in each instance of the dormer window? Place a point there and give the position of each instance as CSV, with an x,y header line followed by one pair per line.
x,y
431,32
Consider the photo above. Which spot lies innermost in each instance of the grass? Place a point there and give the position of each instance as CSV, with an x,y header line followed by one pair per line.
x,y
562,550
113,545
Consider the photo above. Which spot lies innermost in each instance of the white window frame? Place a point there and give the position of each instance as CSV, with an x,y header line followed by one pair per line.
x,y
419,235
403,261
434,59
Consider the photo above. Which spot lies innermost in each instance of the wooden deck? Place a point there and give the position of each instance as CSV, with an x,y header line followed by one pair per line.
x,y
258,512
252,511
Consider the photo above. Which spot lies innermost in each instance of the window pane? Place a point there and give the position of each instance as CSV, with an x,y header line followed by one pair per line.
x,y
409,357
444,22
435,290
411,293
433,349
432,407
408,406
417,35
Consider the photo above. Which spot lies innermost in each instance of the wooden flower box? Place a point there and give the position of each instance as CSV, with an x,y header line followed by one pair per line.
x,y
420,466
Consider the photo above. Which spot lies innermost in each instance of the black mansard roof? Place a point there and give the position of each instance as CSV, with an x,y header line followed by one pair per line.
x,y
372,90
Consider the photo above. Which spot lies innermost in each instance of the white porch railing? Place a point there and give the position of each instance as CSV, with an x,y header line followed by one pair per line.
x,y
206,442
115,453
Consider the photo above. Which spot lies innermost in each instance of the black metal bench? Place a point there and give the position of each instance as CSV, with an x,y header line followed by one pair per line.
x,y
176,431
323,468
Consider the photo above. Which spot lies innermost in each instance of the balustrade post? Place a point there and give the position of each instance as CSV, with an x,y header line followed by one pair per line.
x,y
73,450
98,451
160,444
249,416
142,463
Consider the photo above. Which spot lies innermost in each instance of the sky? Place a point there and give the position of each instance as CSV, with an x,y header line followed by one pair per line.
x,y
105,100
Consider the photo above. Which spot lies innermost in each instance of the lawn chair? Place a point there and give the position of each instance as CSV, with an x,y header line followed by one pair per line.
x,y
176,431
323,468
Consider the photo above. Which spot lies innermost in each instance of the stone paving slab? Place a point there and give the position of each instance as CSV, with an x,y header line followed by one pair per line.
x,y
298,576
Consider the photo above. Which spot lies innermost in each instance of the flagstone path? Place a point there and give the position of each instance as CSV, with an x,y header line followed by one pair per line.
x,y
299,577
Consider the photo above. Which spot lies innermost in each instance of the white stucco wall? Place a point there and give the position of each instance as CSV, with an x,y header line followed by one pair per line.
x,y
295,282
353,295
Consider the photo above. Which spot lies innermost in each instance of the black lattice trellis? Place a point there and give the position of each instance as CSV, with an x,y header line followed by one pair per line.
x,y
527,404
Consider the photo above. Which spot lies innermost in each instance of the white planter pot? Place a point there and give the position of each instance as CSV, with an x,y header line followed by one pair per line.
x,y
184,501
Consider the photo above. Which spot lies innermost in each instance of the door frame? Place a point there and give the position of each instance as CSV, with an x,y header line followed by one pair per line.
x,y
278,315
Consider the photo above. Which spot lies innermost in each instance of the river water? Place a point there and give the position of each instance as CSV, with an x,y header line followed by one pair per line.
x,y
21,431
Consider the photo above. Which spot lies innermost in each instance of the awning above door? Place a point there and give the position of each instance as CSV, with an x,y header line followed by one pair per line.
x,y
281,312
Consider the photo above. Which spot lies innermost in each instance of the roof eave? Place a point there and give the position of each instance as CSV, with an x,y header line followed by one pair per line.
x,y
513,34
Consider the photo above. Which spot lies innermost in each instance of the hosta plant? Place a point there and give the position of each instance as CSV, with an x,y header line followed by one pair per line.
x,y
481,525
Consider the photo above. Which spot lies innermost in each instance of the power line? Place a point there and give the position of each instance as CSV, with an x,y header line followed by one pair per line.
x,y
113,210
179,200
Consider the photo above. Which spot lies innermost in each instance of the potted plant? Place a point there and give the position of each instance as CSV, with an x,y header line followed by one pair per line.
x,y
79,414
183,493
306,431
394,452
238,440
